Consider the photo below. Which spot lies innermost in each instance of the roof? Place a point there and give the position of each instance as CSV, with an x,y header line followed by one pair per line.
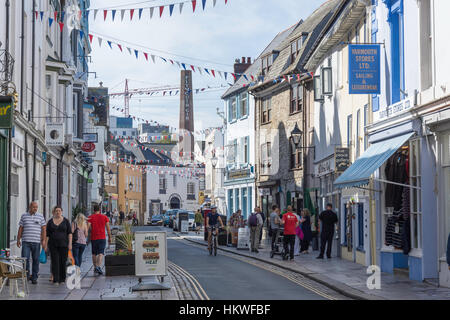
x,y
313,26
255,68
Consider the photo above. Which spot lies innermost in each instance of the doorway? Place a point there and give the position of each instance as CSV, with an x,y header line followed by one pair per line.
x,y
175,203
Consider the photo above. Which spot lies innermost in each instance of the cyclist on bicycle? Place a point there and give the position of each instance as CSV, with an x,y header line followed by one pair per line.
x,y
212,221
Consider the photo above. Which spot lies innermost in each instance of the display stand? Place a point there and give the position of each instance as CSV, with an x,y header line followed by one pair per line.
x,y
153,284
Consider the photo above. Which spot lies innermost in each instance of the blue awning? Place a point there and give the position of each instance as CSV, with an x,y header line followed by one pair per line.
x,y
359,173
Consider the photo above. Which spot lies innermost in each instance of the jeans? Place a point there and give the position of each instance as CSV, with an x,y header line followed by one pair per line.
x,y
78,250
59,260
326,239
274,238
289,239
33,248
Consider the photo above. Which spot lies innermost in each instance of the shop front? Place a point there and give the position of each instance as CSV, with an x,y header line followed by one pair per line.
x,y
239,190
397,170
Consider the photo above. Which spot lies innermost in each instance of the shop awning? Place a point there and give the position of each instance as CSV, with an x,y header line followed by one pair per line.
x,y
359,173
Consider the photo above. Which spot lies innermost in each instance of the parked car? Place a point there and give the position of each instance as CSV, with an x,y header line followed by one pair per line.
x,y
156,220
191,220
168,221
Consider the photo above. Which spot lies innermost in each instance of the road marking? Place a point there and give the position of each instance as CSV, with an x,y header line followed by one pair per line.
x,y
195,284
280,273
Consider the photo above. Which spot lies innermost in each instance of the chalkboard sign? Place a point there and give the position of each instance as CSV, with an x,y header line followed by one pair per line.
x,y
342,159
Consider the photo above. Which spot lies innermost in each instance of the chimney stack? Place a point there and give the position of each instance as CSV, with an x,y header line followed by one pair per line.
x,y
240,66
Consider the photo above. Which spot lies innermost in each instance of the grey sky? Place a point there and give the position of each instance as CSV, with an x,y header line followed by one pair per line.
x,y
214,37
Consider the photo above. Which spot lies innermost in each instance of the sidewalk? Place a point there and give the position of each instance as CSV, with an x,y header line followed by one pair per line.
x,y
93,287
341,275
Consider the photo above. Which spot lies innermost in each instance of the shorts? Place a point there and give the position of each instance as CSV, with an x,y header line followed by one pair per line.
x,y
198,224
98,246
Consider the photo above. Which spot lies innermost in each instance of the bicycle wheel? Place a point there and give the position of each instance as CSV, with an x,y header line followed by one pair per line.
x,y
215,246
210,249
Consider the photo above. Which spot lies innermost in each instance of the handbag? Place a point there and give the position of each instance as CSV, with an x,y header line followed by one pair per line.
x,y
43,257
70,259
299,232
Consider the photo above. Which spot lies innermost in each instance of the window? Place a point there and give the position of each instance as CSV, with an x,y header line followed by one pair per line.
x,y
230,202
238,204
75,111
318,89
266,158
358,119
293,51
249,200
266,106
246,150
233,109
266,63
366,122
296,155
416,200
124,133
174,180
327,81
357,33
296,45
190,191
296,99
243,102
162,184
244,202
349,131
426,44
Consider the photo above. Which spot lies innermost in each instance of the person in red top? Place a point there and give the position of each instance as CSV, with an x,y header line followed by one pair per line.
x,y
97,223
290,222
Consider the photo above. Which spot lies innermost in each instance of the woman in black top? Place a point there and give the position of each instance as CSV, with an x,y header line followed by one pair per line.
x,y
306,228
59,242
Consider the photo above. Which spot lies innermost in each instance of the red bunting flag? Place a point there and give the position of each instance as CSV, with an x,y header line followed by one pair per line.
x,y
105,13
56,15
161,9
36,14
213,73
90,38
226,1
234,76
120,47
61,26
131,14
146,56
194,4
193,68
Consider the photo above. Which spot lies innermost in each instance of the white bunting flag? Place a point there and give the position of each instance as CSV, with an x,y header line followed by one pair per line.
x,y
95,14
153,58
179,66
181,7
214,3
100,41
151,12
129,50
220,73
122,14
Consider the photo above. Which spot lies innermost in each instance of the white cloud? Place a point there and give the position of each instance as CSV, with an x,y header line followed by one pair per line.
x,y
217,35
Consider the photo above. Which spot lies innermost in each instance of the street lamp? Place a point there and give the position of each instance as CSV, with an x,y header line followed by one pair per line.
x,y
296,135
130,186
111,174
214,161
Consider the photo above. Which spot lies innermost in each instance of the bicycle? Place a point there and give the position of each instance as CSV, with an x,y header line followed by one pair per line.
x,y
213,245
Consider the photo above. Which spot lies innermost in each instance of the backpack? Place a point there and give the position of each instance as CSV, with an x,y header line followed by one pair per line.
x,y
253,220
75,234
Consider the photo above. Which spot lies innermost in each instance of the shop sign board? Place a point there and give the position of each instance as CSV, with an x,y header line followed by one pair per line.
x,y
264,192
394,109
151,253
54,134
90,137
6,112
243,239
342,159
325,167
184,226
238,174
364,69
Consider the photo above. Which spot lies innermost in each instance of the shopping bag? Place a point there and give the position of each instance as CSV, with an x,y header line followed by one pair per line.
x,y
70,259
43,257
299,232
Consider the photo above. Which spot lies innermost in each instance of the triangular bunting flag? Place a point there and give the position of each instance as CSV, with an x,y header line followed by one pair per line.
x,y
199,70
226,1
61,26
146,56
151,12
226,74
178,64
212,71
63,13
194,4
220,74
131,14
181,7
122,14
129,50
105,13
81,34
184,66
171,8
100,41
206,70
109,43
113,14
120,47
42,15
153,58
90,38
234,76
36,14
161,10
192,67
50,21
140,13
203,4
214,3
55,14
163,59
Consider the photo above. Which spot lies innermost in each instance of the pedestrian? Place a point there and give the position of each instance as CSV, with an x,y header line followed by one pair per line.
x,y
97,223
448,251
306,229
121,217
115,217
262,226
30,236
135,220
80,232
328,219
198,219
59,239
290,222
255,223
274,224
297,234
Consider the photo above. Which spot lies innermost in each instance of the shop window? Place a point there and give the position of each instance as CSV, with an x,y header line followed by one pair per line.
x,y
416,199
349,131
237,206
360,227
244,202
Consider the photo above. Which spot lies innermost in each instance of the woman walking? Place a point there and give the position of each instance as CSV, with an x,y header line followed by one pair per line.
x,y
307,233
80,231
297,236
59,242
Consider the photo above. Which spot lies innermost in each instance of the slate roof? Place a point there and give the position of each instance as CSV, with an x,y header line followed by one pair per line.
x,y
313,26
255,68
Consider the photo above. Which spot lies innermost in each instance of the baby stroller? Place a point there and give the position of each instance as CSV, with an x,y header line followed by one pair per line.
x,y
278,247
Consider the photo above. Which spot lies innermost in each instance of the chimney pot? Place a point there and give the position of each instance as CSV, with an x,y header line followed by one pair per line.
x,y
249,60
243,59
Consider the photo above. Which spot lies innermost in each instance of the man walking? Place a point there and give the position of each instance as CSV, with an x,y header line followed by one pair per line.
x,y
255,223
121,217
97,224
274,224
32,230
290,222
328,218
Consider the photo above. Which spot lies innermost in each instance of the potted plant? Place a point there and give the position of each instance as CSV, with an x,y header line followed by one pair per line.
x,y
121,263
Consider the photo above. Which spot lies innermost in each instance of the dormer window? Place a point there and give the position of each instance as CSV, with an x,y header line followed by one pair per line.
x,y
266,63
296,45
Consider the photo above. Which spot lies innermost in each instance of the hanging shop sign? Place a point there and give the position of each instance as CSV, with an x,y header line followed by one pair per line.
x,y
6,112
151,253
54,134
264,192
342,159
90,137
88,147
364,69
324,167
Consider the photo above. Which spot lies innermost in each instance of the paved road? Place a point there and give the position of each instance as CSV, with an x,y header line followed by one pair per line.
x,y
225,278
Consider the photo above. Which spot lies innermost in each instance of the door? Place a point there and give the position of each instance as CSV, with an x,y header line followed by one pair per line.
x,y
3,193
